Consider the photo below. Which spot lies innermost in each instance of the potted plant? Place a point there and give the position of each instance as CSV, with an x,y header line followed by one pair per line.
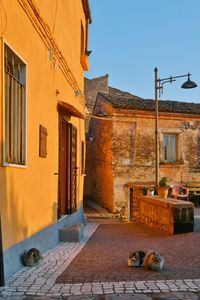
x,y
163,188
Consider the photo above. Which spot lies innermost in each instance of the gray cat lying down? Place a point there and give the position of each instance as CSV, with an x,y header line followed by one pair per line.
x,y
31,257
151,261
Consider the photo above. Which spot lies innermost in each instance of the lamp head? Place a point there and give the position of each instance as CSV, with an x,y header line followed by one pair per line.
x,y
189,84
88,52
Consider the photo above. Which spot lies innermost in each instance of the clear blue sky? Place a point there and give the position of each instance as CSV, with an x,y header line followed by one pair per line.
x,y
129,38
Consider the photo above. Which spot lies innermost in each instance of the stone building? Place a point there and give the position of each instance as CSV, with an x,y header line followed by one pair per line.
x,y
92,87
121,147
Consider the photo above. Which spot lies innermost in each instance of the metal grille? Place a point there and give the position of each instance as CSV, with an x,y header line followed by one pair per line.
x,y
14,112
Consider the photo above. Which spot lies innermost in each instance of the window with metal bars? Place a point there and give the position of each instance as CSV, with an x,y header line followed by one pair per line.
x,y
15,108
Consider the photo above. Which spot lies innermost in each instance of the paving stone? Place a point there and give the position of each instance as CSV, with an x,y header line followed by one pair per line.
x,y
31,293
66,294
40,293
5,294
118,291
162,286
155,291
108,292
98,292
18,293
87,293
22,289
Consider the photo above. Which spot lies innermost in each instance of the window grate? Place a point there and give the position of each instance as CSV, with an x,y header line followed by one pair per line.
x,y
14,108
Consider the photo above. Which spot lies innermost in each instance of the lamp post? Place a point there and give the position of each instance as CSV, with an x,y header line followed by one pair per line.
x,y
159,87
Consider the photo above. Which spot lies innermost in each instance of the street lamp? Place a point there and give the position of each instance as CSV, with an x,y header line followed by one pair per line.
x,y
159,87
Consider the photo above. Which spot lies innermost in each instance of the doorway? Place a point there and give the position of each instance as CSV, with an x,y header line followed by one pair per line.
x,y
67,203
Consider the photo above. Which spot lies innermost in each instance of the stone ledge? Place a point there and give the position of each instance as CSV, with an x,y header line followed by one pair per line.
x,y
169,215
72,234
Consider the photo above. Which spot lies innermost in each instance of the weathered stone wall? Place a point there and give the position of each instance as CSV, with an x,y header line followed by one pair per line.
x,y
99,177
133,157
89,171
134,153
91,88
167,215
187,168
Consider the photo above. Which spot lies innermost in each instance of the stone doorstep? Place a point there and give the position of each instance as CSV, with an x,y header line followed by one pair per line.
x,y
74,233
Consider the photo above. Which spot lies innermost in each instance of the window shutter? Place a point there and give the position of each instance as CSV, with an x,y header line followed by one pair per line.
x,y
82,157
43,142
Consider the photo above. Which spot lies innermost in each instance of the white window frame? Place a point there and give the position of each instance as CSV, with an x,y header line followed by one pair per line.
x,y
5,162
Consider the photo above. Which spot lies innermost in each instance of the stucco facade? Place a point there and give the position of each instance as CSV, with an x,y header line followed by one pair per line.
x,y
123,142
50,42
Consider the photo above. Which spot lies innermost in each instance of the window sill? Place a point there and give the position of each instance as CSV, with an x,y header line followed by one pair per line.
x,y
14,165
171,164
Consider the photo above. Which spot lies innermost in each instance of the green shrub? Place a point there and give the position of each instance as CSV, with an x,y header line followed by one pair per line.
x,y
163,182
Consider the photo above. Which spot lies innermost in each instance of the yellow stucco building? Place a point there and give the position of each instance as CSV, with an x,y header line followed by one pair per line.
x,y
43,56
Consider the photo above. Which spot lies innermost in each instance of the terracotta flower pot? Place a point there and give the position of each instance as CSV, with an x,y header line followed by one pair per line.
x,y
162,191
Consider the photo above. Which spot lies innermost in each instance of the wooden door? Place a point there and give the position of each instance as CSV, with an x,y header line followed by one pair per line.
x,y
67,203
62,169
74,169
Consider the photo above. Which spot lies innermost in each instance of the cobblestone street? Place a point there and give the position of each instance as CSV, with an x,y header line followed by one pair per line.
x,y
97,268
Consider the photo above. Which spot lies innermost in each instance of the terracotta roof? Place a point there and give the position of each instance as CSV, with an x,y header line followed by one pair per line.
x,y
124,100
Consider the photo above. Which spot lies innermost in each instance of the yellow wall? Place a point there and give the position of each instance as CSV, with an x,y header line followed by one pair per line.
x,y
29,194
